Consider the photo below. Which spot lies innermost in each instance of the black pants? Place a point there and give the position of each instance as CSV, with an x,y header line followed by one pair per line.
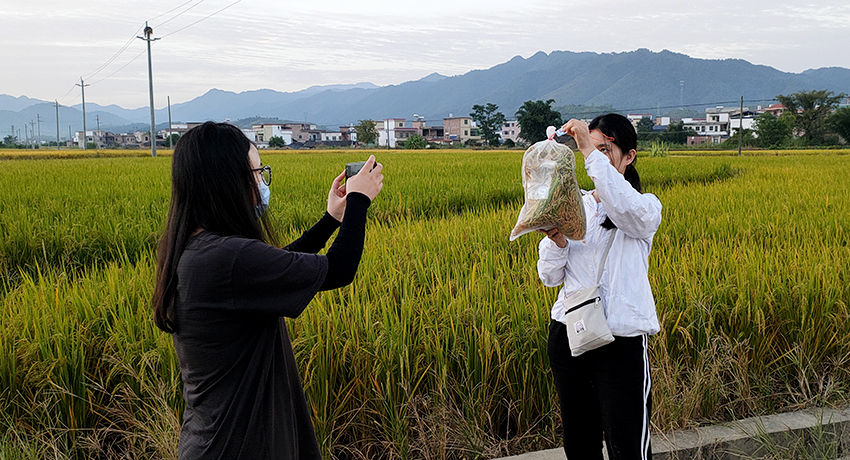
x,y
606,390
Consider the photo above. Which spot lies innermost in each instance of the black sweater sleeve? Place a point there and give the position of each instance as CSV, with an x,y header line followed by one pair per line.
x,y
346,250
314,239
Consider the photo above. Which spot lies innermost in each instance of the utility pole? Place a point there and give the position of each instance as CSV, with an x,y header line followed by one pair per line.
x,y
682,94
32,133
741,127
170,146
82,86
70,137
147,38
57,124
38,117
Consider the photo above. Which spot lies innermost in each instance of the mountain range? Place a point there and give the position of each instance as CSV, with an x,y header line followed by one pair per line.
x,y
636,81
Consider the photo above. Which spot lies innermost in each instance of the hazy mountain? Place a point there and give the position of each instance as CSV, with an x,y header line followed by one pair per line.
x,y
433,77
636,81
218,105
15,104
46,111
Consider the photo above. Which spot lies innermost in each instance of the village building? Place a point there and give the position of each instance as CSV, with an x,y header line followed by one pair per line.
x,y
430,133
636,117
510,130
392,131
332,136
349,134
457,129
263,132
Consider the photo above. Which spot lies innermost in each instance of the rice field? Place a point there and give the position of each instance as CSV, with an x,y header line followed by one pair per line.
x,y
438,349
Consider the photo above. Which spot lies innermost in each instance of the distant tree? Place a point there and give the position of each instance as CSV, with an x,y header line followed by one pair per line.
x,y
645,131
645,124
174,138
366,130
489,121
509,143
677,133
810,110
414,142
276,142
772,131
534,117
91,145
10,140
748,140
839,123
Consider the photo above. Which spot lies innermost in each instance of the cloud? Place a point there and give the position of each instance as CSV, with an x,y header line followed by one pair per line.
x,y
287,47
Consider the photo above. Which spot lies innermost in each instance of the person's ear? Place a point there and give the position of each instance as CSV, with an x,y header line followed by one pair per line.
x,y
629,157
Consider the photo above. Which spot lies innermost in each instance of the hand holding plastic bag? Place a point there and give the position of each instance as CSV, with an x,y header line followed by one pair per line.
x,y
552,196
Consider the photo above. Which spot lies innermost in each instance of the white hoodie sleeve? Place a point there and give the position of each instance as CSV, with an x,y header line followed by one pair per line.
x,y
635,214
551,267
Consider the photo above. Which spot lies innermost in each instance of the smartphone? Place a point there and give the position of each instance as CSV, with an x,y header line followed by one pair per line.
x,y
353,168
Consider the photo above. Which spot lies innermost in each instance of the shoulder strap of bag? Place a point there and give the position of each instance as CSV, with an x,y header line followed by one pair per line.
x,y
605,255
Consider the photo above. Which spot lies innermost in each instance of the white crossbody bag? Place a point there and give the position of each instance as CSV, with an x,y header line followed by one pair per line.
x,y
587,327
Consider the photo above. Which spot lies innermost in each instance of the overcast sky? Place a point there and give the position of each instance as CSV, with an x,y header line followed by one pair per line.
x,y
288,46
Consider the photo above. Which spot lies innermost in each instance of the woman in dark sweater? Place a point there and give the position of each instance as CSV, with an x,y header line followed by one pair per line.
x,y
223,289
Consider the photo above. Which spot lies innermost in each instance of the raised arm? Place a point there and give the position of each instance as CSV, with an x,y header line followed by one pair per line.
x,y
636,214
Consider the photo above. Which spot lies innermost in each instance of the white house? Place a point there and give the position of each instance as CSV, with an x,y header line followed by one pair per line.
x,y
715,125
390,131
510,130
265,131
332,136
143,137
250,134
735,121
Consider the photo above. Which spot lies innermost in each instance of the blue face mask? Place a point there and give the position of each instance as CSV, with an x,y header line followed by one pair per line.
x,y
265,193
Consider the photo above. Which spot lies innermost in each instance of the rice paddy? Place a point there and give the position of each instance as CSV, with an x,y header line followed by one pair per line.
x,y
438,348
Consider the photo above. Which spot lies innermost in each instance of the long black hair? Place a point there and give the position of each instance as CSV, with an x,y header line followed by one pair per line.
x,y
212,188
624,136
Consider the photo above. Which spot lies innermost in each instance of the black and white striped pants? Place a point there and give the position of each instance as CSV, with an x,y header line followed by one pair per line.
x,y
606,390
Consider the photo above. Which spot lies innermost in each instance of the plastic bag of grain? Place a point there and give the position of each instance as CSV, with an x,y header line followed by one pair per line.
x,y
552,196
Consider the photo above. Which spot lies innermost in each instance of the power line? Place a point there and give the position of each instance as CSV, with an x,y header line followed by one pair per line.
x,y
169,11
202,19
127,45
180,13
121,68
73,87
135,33
114,56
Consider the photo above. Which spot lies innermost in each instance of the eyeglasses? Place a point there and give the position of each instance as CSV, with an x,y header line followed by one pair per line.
x,y
267,174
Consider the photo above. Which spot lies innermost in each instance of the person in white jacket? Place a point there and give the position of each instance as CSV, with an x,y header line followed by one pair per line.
x,y
606,390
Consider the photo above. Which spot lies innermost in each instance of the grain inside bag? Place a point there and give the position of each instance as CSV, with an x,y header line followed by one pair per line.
x,y
552,196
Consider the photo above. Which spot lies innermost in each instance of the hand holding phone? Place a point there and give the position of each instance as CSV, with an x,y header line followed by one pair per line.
x,y
353,168
368,182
